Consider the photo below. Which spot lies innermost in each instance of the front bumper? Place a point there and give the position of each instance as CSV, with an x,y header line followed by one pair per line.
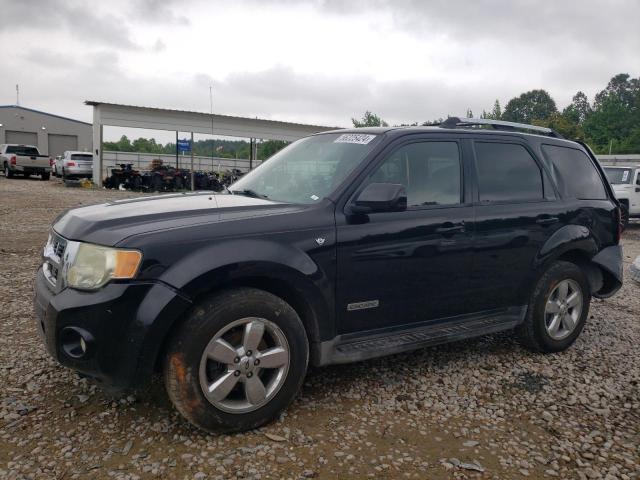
x,y
123,326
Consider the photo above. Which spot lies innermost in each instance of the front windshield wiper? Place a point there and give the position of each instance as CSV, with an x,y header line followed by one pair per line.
x,y
249,193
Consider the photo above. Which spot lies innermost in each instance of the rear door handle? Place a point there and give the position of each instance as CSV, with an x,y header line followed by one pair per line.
x,y
546,220
450,228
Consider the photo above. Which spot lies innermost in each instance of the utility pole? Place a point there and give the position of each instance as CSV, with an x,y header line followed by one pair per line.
x,y
176,149
17,94
213,143
193,176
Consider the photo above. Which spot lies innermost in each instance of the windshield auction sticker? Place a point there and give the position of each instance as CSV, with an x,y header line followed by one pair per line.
x,y
359,138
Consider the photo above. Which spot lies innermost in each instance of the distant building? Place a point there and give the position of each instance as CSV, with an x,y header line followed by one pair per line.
x,y
52,134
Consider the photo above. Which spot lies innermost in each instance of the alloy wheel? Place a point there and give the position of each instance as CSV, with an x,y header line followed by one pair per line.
x,y
563,309
244,365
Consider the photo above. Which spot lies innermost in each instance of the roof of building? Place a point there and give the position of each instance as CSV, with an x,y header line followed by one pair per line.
x,y
96,103
44,113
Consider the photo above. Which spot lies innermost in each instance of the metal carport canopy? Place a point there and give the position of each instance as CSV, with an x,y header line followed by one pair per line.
x,y
118,115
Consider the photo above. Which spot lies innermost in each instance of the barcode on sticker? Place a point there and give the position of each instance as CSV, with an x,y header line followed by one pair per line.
x,y
359,138
625,175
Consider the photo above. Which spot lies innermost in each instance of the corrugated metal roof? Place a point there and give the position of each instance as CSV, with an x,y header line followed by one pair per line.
x,y
45,113
216,115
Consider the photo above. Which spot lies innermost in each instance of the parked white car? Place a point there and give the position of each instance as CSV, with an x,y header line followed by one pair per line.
x,y
75,164
626,185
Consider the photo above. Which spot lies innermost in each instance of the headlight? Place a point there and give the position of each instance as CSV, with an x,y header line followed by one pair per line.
x,y
93,265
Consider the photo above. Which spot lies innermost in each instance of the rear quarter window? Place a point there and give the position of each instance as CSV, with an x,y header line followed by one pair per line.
x,y
574,173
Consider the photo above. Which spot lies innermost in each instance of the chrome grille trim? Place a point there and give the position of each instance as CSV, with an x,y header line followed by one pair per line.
x,y
53,255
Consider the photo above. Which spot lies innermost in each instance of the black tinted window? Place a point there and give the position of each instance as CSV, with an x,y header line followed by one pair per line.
x,y
430,172
507,172
574,173
23,151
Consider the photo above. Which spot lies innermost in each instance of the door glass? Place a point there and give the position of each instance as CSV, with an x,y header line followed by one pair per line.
x,y
507,172
429,171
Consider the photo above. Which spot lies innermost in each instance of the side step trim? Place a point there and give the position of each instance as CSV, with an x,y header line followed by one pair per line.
x,y
377,343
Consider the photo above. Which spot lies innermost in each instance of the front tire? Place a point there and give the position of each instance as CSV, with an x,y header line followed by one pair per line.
x,y
557,310
237,361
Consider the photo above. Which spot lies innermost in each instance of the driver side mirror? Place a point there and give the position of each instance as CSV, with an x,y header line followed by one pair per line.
x,y
381,197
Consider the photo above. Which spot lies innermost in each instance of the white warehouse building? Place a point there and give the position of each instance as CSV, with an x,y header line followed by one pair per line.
x,y
52,134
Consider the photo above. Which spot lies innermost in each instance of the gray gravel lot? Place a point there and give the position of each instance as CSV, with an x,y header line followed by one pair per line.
x,y
484,408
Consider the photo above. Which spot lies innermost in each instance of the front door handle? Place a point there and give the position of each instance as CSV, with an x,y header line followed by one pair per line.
x,y
546,220
450,228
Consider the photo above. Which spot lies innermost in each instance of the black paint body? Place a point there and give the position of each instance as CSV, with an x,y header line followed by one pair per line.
x,y
428,268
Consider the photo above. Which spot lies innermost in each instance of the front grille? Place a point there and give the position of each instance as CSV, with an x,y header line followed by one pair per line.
x,y
53,257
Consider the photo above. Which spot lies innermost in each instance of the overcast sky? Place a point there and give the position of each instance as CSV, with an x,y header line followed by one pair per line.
x,y
318,62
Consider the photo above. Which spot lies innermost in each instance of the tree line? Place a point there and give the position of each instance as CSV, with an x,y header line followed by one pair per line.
x,y
608,124
205,148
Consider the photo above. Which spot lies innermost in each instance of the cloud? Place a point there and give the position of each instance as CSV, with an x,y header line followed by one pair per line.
x,y
159,46
160,11
319,62
79,20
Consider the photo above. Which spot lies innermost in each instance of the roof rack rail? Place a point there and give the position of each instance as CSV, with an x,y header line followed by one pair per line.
x,y
455,122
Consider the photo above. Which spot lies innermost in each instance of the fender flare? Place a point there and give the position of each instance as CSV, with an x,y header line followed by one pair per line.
x,y
250,262
601,266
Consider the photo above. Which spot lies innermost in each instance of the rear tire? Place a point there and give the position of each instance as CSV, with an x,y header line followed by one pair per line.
x,y
557,311
45,176
7,172
213,348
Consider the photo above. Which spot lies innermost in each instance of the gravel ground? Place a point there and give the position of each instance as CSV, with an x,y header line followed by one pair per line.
x,y
484,408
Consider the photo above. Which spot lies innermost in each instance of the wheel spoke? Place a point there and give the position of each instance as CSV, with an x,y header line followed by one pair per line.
x,y
253,332
273,358
219,389
552,307
221,351
568,322
554,325
254,390
573,300
563,290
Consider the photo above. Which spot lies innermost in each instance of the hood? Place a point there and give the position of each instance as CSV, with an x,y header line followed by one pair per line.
x,y
110,223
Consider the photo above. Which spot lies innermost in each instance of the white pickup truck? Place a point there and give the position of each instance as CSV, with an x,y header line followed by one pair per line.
x,y
625,181
24,160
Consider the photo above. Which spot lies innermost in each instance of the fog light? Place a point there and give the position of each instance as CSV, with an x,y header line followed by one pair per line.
x,y
76,342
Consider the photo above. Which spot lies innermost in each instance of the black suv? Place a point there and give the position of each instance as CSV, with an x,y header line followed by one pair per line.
x,y
344,246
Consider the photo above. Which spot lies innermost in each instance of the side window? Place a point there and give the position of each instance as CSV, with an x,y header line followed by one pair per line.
x,y
429,171
574,173
507,172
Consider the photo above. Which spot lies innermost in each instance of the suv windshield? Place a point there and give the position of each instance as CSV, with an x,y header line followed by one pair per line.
x,y
23,151
308,170
618,176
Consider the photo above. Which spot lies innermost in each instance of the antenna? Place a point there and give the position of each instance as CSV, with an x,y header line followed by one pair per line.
x,y
17,94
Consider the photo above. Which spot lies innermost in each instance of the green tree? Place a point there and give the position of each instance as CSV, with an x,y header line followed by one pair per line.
x,y
579,109
369,120
495,114
563,125
269,148
532,105
615,118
